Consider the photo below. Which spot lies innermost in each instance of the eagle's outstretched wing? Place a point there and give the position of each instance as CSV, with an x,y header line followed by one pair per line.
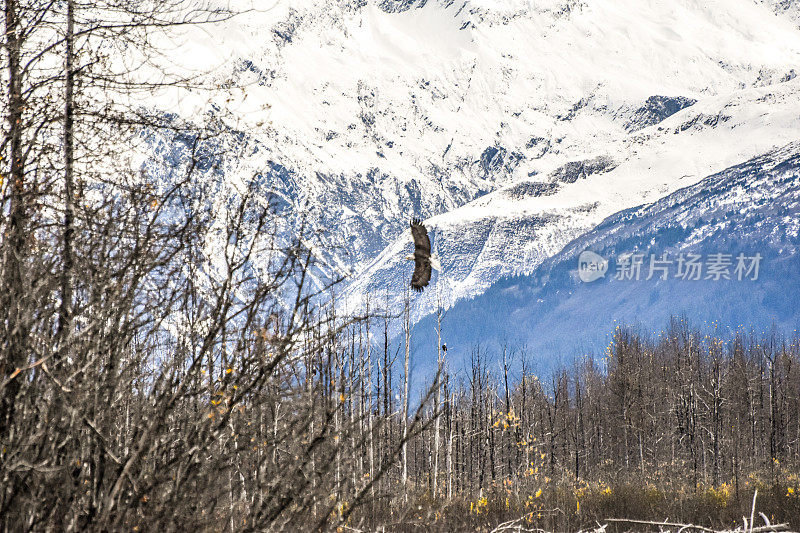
x,y
422,244
421,276
422,256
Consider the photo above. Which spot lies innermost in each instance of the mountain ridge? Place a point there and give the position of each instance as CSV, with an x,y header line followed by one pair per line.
x,y
750,208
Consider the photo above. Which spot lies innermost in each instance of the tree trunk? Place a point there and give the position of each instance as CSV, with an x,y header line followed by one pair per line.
x,y
13,294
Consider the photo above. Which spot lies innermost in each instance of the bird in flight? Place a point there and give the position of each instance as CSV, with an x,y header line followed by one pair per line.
x,y
423,262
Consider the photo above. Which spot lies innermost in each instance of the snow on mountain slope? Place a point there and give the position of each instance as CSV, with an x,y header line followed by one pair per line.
x,y
786,8
512,230
371,113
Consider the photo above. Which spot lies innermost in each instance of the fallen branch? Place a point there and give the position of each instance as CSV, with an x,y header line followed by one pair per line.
x,y
515,526
683,527
769,528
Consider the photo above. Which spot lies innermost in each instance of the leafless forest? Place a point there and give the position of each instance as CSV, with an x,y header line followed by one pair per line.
x,y
147,385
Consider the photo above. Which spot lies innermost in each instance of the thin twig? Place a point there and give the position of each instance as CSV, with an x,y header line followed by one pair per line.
x,y
16,372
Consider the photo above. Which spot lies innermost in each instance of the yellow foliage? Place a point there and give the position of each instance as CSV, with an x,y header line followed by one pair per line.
x,y
480,506
719,496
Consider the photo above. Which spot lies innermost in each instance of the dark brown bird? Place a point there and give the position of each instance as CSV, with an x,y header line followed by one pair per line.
x,y
423,262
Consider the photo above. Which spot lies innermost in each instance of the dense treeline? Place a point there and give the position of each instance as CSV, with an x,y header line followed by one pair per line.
x,y
684,426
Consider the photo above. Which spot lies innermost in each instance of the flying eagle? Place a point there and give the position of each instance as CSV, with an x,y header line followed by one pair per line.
x,y
423,262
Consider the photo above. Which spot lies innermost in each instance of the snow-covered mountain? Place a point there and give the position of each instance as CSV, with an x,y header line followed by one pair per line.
x,y
513,127
615,104
514,229
752,209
